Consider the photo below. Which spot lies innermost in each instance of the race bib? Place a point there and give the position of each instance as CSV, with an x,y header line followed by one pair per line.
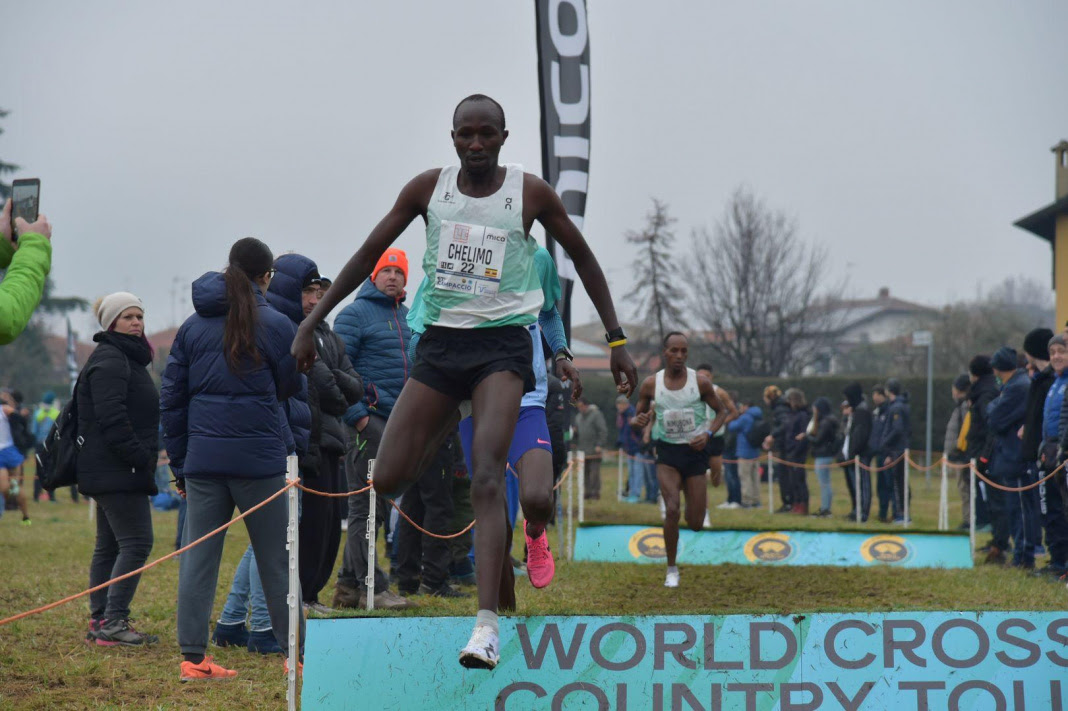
x,y
679,424
470,258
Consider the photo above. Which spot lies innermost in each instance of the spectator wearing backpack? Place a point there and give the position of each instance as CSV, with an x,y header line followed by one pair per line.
x,y
44,416
750,436
118,421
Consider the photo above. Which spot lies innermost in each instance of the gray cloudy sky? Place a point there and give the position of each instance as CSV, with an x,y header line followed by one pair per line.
x,y
906,136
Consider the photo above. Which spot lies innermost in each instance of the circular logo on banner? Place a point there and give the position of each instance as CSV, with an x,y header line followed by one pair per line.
x,y
885,549
649,543
769,548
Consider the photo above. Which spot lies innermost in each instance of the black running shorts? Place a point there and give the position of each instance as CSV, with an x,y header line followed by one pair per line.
x,y
686,460
715,446
454,360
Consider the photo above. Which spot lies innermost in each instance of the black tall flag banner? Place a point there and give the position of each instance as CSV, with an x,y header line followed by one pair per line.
x,y
564,86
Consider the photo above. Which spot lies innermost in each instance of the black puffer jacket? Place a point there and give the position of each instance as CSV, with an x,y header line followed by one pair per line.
x,y
118,417
333,387
779,413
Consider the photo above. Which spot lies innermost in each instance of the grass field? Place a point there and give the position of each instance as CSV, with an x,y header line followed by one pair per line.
x,y
44,663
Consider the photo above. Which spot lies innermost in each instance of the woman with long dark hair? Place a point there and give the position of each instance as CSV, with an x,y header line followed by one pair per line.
x,y
118,421
796,449
227,436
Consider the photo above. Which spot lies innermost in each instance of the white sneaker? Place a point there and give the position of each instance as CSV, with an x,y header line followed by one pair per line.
x,y
672,579
725,505
734,505
708,521
481,651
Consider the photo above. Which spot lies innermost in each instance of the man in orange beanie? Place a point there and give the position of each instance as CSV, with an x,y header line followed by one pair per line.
x,y
392,258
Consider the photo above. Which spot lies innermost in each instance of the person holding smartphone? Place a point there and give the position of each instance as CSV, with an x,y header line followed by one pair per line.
x,y
26,254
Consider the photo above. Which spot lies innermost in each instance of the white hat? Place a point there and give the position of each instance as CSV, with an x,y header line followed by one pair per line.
x,y
111,306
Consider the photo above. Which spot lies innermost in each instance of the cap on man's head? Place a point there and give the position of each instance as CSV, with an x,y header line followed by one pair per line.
x,y
312,278
392,257
48,398
1036,343
1004,359
1058,340
962,382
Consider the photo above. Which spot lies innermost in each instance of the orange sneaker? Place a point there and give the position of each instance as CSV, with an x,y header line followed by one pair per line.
x,y
207,670
300,667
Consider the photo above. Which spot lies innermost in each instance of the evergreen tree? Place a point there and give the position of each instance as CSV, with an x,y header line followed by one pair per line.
x,y
658,299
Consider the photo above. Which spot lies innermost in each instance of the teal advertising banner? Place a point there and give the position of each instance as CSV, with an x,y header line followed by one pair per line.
x,y
639,544
962,661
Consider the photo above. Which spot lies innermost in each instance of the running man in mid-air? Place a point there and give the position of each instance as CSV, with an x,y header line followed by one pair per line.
x,y
483,295
681,430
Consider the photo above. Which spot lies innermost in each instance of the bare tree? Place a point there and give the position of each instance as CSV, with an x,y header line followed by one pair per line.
x,y
659,300
759,292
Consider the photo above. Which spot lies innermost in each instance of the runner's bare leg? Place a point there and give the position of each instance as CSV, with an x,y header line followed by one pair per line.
x,y
696,502
670,482
536,489
413,432
495,411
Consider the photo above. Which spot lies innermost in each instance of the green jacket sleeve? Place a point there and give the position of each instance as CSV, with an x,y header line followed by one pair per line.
x,y
23,284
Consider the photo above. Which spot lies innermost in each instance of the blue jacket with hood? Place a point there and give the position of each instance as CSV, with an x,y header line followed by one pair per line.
x,y
217,423
284,294
375,330
741,427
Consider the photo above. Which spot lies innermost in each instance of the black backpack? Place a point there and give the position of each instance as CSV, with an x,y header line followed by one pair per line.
x,y
758,433
21,436
57,456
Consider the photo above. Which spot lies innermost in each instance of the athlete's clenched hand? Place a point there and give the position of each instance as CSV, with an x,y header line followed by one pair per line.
x,y
623,370
566,371
303,348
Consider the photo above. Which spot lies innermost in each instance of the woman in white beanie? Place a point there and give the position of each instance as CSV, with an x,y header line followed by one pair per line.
x,y
118,419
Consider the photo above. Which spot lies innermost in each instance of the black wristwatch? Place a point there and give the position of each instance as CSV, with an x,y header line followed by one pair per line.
x,y
564,354
616,336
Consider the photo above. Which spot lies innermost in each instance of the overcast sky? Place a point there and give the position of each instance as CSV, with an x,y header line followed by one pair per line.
x,y
906,136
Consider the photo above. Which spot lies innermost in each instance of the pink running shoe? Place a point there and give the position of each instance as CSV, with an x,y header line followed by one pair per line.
x,y
540,564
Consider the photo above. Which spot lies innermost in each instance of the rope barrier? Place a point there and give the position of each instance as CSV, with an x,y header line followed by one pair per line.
x,y
153,564
1017,489
331,495
891,465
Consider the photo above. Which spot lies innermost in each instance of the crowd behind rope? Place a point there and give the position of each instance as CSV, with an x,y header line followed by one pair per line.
x,y
1009,415
233,406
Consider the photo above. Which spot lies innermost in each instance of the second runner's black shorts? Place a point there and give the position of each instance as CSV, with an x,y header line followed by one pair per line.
x,y
715,446
454,360
683,458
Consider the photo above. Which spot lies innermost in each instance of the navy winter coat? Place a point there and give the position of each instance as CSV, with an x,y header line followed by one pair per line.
x,y
284,294
1004,416
375,330
896,428
217,423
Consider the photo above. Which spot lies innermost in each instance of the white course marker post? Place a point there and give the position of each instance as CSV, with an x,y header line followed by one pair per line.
x,y
943,498
582,486
293,599
856,485
372,537
560,525
92,508
619,470
905,520
971,507
771,486
571,507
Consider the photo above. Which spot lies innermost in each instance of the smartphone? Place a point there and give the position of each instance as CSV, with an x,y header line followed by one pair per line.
x,y
25,199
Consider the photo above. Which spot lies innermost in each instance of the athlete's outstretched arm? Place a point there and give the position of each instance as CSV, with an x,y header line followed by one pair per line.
x,y
411,203
553,216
